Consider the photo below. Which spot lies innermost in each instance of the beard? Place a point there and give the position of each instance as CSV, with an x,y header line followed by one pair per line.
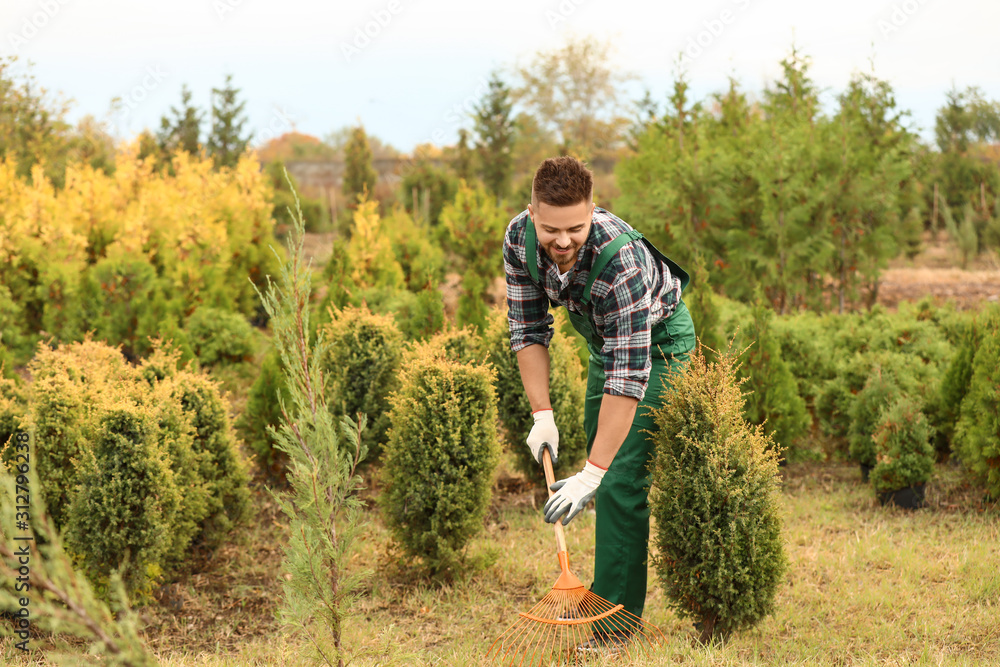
x,y
566,260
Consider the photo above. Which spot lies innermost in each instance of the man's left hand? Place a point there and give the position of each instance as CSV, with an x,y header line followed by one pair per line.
x,y
573,493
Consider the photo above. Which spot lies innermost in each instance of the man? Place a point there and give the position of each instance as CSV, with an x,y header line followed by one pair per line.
x,y
624,297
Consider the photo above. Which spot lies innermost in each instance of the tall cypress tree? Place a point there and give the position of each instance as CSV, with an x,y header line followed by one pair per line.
x,y
359,172
183,129
464,157
226,142
494,129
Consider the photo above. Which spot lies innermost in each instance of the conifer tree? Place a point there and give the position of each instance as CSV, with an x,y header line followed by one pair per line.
x,y
359,172
464,156
226,141
183,129
323,508
719,551
494,129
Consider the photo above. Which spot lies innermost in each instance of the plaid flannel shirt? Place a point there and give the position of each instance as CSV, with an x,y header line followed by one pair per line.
x,y
634,292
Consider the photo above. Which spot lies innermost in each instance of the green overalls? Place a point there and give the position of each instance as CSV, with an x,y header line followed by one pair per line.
x,y
622,533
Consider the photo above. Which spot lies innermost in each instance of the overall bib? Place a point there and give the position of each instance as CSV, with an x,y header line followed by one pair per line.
x,y
622,532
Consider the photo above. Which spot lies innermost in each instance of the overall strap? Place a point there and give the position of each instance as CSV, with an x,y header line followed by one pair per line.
x,y
602,260
530,249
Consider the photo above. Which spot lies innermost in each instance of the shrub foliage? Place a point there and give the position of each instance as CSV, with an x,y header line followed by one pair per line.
x,y
719,554
440,459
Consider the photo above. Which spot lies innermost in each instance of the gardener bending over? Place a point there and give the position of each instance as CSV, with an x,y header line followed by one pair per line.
x,y
624,297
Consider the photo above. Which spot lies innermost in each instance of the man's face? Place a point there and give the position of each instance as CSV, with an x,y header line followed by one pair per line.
x,y
562,230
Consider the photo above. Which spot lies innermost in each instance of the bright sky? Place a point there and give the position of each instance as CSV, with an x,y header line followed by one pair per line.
x,y
310,65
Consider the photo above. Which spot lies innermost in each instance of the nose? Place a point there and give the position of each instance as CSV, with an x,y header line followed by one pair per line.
x,y
562,239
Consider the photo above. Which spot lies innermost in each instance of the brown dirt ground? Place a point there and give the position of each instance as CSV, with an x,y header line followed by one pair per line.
x,y
935,273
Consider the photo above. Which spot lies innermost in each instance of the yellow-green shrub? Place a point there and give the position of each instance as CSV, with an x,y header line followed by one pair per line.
x,y
440,460
360,367
203,231
165,413
125,511
71,387
719,551
220,465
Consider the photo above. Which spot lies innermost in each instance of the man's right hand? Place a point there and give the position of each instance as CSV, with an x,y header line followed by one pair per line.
x,y
544,432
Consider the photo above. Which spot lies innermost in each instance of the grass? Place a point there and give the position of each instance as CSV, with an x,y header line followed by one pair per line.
x,y
868,585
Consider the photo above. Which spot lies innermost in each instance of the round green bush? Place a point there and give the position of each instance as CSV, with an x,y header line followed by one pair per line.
x,y
218,336
361,369
904,456
71,388
124,512
440,459
719,550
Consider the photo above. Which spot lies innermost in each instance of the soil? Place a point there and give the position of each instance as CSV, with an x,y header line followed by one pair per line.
x,y
935,273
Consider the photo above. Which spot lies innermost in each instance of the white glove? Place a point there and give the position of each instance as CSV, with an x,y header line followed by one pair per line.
x,y
573,493
544,432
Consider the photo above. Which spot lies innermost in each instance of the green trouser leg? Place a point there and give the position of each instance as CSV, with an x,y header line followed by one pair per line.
x,y
622,533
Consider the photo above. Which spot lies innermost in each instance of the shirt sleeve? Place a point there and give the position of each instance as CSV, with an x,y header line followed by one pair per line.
x,y
627,334
527,305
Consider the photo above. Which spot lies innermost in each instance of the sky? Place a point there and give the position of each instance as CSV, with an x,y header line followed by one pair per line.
x,y
409,70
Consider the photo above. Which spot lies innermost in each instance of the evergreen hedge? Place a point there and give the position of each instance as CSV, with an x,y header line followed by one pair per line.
x,y
719,552
977,435
361,367
440,459
147,450
772,397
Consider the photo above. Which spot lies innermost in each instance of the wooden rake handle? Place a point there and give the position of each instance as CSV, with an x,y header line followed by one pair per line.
x,y
550,479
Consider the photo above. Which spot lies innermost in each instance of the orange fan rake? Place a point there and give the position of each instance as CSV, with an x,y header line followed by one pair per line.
x,y
569,617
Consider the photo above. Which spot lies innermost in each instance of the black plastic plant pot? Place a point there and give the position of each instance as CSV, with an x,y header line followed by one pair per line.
x,y
911,498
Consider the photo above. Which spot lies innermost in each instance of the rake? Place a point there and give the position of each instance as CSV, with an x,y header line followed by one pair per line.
x,y
568,617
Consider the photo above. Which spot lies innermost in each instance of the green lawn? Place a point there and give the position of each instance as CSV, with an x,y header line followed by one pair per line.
x,y
867,586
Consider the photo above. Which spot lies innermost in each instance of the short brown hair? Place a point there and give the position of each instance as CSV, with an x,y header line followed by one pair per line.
x,y
562,181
